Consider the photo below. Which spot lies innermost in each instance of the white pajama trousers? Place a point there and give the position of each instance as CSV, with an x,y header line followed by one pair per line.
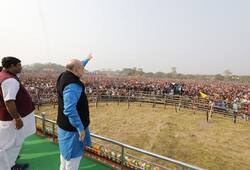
x,y
11,140
72,164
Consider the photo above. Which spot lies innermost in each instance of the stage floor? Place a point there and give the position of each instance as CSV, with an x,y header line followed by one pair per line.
x,y
42,154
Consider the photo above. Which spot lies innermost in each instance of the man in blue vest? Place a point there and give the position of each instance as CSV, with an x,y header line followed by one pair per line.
x,y
73,115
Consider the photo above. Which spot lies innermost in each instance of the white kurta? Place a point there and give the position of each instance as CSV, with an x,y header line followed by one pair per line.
x,y
11,139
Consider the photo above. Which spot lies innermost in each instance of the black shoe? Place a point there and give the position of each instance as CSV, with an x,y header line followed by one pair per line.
x,y
20,166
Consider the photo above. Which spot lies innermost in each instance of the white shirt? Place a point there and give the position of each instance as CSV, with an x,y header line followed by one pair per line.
x,y
235,107
8,132
10,88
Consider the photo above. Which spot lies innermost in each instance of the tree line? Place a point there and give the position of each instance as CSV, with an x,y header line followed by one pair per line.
x,y
227,75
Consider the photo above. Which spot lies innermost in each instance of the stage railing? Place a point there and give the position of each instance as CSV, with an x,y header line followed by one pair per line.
x,y
122,156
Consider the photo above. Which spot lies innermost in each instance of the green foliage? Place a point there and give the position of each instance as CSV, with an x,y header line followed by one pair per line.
x,y
218,77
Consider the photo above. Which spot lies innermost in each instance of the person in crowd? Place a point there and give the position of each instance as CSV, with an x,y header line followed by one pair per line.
x,y
235,110
248,112
211,109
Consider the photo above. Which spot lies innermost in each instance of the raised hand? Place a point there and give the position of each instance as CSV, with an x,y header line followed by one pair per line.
x,y
89,57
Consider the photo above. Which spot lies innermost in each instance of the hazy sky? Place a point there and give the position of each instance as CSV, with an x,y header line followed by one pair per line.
x,y
196,36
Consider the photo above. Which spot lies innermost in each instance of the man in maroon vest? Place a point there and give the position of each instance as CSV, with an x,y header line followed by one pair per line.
x,y
16,114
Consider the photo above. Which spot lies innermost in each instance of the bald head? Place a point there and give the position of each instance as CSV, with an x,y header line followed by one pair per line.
x,y
73,63
75,66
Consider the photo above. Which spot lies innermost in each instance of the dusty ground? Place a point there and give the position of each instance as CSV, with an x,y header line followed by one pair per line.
x,y
184,136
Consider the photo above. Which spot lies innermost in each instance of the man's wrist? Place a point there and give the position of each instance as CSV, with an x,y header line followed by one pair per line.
x,y
18,117
80,129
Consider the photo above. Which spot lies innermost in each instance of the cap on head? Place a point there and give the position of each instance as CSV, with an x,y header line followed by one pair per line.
x,y
7,61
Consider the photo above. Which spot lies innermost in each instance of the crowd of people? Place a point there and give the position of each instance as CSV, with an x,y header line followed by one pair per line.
x,y
42,86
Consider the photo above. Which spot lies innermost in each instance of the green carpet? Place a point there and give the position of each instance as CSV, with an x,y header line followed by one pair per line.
x,y
41,154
